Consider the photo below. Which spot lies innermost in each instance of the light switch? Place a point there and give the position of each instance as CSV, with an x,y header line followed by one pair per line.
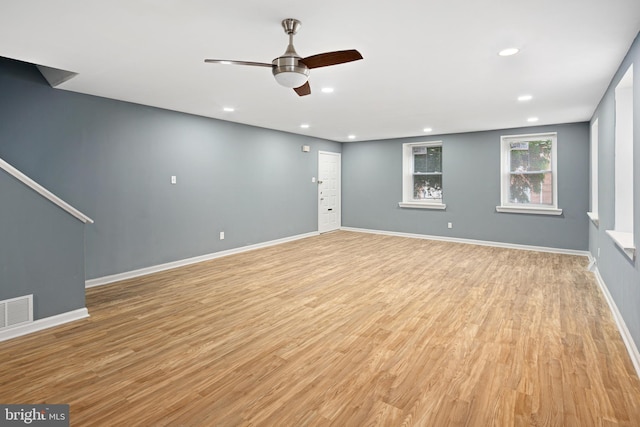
x,y
173,179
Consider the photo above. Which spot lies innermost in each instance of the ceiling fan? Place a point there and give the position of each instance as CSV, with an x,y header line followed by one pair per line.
x,y
290,69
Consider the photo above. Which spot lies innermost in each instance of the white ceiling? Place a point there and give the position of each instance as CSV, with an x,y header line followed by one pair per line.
x,y
426,63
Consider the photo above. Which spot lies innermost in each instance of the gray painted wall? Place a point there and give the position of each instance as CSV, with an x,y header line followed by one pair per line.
x,y
113,161
621,275
372,188
41,251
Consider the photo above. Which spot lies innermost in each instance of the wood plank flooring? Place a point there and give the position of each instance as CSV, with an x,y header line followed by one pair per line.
x,y
344,329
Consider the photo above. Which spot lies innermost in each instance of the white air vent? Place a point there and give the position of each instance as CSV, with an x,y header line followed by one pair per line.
x,y
16,311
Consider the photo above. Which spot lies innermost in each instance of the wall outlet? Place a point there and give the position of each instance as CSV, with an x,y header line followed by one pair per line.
x,y
449,225
173,179
222,235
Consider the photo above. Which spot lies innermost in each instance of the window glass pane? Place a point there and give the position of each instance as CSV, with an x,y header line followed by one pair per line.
x,y
536,188
530,156
434,159
427,159
420,163
427,187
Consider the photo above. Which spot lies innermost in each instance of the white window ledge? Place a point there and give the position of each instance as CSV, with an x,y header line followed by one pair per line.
x,y
624,241
529,210
595,219
422,205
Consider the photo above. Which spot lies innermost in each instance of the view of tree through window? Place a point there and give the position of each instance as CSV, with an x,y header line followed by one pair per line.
x,y
427,172
530,172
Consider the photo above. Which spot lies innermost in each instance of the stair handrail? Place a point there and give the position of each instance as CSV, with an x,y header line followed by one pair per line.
x,y
44,192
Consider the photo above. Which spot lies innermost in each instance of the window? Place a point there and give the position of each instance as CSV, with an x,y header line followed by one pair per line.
x,y
593,214
422,175
622,234
529,182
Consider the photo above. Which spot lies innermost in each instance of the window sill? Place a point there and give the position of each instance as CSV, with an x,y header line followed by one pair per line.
x,y
420,205
529,210
594,218
624,241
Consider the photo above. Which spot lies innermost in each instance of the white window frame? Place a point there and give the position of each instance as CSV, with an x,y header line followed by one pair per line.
x,y
623,231
407,178
593,214
505,176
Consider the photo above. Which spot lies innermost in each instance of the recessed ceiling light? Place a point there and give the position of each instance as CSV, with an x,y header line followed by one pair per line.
x,y
304,126
509,51
327,89
532,119
229,109
525,98
351,137
427,130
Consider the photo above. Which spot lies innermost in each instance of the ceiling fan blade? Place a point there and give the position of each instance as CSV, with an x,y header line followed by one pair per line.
x,y
331,58
303,90
227,61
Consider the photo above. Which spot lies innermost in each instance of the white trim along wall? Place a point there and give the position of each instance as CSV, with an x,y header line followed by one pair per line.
x,y
622,326
181,263
472,242
45,323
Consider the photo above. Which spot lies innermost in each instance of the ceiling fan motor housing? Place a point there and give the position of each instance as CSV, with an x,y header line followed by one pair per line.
x,y
290,72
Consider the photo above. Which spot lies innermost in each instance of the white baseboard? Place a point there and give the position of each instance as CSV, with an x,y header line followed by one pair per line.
x,y
471,241
40,324
622,326
181,263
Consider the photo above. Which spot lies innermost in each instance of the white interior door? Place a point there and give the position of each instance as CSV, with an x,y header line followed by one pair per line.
x,y
329,215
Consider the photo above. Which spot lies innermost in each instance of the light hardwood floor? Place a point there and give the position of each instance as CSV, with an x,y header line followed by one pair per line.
x,y
344,329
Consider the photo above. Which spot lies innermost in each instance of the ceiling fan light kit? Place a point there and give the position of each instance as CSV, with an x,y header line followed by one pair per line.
x,y
291,70
291,79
